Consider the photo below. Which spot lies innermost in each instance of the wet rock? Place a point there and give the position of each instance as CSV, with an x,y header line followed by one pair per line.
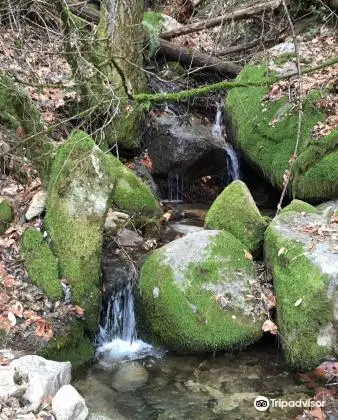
x,y
129,238
185,229
69,405
44,377
186,148
202,281
129,377
37,205
302,252
235,211
114,220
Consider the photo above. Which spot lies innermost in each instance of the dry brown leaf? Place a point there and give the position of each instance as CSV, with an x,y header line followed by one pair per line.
x,y
247,255
270,327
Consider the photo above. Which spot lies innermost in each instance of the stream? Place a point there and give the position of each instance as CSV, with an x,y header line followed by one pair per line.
x,y
133,380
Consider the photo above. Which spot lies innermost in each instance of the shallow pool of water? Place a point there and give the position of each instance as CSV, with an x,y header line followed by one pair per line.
x,y
200,387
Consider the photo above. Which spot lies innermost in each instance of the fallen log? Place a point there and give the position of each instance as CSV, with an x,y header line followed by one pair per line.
x,y
193,58
263,41
220,20
184,56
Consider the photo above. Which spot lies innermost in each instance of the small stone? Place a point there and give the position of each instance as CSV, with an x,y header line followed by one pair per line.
x,y
127,237
129,376
69,405
37,205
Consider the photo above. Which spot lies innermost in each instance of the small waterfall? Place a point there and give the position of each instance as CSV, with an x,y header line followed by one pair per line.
x,y
218,131
175,185
117,338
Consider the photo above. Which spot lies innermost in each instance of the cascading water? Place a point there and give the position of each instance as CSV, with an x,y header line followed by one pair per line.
x,y
218,131
117,338
175,188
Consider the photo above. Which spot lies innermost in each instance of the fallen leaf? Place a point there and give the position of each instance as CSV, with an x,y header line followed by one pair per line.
x,y
298,302
12,319
247,255
270,327
77,310
282,251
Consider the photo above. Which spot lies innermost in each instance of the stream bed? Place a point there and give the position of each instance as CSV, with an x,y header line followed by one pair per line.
x,y
202,387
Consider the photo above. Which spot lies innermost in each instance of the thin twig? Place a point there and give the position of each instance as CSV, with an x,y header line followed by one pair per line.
x,y
300,111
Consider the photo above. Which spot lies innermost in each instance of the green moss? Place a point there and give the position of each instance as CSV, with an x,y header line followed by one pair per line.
x,y
296,278
132,194
235,211
170,319
72,345
75,217
4,338
6,215
83,183
265,132
17,110
299,207
40,263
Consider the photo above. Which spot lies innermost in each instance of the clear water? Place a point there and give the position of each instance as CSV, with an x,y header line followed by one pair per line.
x,y
199,387
232,159
175,185
117,338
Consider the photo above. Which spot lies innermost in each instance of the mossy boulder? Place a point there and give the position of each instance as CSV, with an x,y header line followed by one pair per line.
x,y
299,206
84,182
265,133
305,270
132,195
6,215
41,263
79,194
71,344
235,211
192,294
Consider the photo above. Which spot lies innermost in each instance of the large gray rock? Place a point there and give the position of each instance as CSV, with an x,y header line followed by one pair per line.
x,y
8,386
187,149
44,377
197,294
69,405
302,250
129,376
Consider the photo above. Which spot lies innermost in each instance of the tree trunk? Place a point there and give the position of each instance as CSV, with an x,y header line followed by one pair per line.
x,y
107,63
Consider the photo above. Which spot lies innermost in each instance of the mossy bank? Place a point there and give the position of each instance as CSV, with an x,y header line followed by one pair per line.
x,y
265,132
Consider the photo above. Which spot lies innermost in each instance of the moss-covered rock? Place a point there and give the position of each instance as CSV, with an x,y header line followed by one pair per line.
x,y
83,183
69,345
131,194
265,132
299,206
305,272
40,263
235,211
191,294
6,215
79,194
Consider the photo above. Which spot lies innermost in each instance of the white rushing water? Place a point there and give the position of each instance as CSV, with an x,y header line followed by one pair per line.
x,y
218,131
117,338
